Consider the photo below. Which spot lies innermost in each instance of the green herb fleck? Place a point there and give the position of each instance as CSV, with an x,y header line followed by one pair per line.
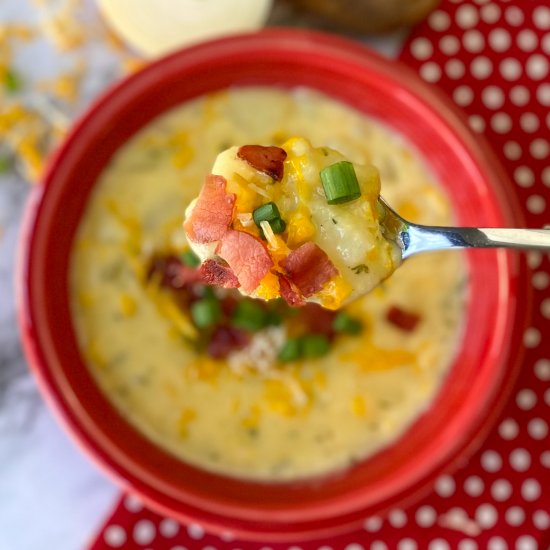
x,y
334,221
190,259
5,165
291,350
315,345
346,324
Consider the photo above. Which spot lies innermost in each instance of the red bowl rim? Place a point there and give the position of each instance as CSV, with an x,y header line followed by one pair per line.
x,y
476,150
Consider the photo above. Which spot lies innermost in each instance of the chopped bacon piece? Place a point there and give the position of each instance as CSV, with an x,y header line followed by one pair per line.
x,y
405,320
216,273
309,268
173,274
247,257
225,339
317,319
290,293
268,160
212,213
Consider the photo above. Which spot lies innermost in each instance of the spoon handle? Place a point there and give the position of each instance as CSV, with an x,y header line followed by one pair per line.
x,y
421,238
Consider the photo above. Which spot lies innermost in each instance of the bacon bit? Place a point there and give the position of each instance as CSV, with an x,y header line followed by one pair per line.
x,y
402,319
173,273
215,273
317,319
225,339
212,213
247,257
290,292
268,160
309,268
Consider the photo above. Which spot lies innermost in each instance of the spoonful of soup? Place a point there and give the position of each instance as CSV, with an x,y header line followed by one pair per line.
x,y
305,224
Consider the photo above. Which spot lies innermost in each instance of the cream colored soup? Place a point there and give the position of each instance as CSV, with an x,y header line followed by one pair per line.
x,y
251,416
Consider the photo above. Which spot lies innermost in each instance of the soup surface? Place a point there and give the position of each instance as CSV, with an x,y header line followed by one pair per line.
x,y
250,410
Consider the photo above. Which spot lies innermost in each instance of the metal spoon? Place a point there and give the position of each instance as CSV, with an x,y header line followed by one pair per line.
x,y
414,238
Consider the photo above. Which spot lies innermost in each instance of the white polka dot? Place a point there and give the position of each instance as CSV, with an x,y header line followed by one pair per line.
x,y
378,545
421,48
534,258
531,339
473,486
545,459
449,45
520,460
543,94
132,504
527,40
514,516
169,528
542,369
526,398
178,547
425,516
439,544
545,43
524,176
501,123
228,536
530,489
541,519
546,176
114,536
545,308
539,148
492,97
547,397
540,280
354,546
481,67
537,428
208,547
536,205
519,95
445,486
529,122
486,516
512,150
476,123
430,71
407,544
541,17
463,95
508,429
439,20
497,543
501,490
491,461
490,13
510,68
466,16
324,547
467,544
144,531
526,542
514,16
537,66
372,524
195,531
397,518
499,40
454,68
473,41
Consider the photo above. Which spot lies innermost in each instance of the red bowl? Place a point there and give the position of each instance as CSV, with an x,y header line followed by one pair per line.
x,y
472,393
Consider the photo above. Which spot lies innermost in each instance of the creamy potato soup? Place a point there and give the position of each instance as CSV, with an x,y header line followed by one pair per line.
x,y
238,386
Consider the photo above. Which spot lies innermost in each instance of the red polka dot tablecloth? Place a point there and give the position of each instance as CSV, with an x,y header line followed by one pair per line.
x,y
493,58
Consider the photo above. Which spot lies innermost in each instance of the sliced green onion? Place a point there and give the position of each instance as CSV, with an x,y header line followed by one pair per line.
x,y
340,182
272,318
206,312
346,324
278,225
267,212
249,315
315,345
190,259
12,81
291,350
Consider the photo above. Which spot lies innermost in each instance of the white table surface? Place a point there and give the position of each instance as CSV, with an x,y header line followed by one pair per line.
x,y
51,495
